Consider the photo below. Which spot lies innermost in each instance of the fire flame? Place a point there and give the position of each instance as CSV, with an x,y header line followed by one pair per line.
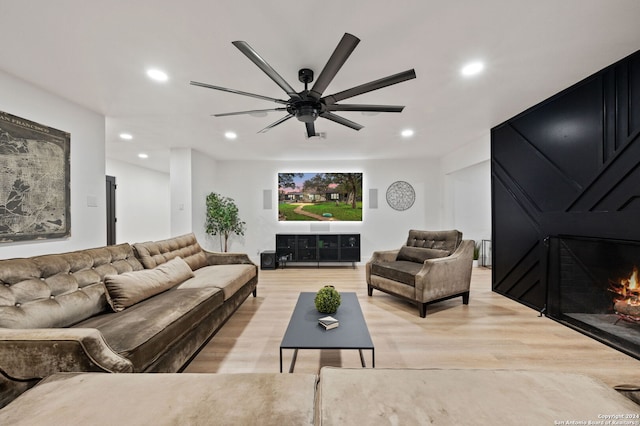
x,y
627,289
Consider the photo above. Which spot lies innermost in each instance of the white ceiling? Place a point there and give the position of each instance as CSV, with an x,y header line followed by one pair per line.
x,y
96,53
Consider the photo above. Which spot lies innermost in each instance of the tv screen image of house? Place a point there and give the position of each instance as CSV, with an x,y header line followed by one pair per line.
x,y
320,197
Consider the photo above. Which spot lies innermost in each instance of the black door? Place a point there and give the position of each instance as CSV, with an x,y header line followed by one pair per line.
x,y
111,210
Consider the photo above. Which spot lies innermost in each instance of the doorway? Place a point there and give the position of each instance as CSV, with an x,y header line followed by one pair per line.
x,y
111,210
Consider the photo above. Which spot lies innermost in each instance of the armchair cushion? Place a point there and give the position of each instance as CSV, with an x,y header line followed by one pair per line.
x,y
419,255
439,240
401,271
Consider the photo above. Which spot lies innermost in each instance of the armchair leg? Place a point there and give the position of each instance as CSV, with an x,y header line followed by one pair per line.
x,y
465,298
369,290
422,307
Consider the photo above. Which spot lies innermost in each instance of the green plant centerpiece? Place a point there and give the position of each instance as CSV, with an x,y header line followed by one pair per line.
x,y
327,300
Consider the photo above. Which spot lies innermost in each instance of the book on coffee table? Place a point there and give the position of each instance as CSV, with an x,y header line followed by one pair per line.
x,y
328,322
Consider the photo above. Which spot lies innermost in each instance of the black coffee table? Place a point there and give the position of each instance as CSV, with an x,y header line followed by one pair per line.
x,y
304,332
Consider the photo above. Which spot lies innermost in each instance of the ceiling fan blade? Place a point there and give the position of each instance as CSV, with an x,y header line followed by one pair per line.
x,y
238,92
341,120
368,87
372,108
265,67
253,111
272,125
311,130
335,62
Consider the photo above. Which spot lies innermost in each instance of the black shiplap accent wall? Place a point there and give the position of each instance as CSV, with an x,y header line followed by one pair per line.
x,y
567,166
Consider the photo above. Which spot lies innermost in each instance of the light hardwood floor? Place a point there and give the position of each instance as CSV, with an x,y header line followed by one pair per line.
x,y
492,332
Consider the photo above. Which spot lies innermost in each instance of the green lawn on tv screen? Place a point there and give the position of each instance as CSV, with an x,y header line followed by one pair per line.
x,y
341,212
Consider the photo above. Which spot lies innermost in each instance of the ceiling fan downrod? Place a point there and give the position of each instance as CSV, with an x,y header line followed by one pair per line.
x,y
306,110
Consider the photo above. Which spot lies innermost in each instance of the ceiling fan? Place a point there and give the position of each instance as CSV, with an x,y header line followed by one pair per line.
x,y
308,105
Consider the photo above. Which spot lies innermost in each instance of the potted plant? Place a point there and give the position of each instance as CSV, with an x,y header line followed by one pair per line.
x,y
327,300
476,254
223,218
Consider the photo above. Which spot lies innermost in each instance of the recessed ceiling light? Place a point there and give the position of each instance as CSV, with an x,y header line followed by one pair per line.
x,y
126,136
230,135
407,133
143,155
472,68
157,75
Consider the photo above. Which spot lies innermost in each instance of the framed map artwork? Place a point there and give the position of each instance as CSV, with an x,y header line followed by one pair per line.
x,y
34,181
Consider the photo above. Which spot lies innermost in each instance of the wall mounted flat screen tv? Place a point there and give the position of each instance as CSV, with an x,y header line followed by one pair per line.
x,y
333,197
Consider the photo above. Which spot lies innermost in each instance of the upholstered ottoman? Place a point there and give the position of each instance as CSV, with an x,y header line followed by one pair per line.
x,y
165,399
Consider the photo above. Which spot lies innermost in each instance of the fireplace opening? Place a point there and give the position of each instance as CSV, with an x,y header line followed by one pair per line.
x,y
627,297
594,287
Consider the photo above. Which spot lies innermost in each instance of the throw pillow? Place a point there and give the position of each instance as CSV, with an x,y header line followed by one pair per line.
x,y
419,254
129,288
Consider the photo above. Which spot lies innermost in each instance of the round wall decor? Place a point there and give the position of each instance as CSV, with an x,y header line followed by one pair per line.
x,y
400,195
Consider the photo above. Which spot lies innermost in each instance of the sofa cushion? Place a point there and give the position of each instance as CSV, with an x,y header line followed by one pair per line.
x,y
402,271
154,253
419,254
143,332
166,399
229,278
381,396
127,289
59,290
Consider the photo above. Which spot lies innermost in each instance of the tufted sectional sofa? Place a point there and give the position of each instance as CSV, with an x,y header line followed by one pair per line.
x,y
146,307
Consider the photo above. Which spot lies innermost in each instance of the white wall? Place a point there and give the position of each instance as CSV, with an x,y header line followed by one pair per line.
x,y
204,180
459,198
244,181
180,198
472,153
142,203
466,192
87,129
470,192
381,228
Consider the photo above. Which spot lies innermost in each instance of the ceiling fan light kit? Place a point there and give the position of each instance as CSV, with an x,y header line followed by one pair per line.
x,y
308,105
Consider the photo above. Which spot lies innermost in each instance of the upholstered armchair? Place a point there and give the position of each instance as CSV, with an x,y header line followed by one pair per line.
x,y
432,266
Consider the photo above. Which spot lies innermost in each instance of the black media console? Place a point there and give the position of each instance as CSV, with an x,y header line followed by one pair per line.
x,y
317,248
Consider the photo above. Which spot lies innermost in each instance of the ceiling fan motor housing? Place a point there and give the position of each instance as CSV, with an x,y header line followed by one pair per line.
x,y
305,111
